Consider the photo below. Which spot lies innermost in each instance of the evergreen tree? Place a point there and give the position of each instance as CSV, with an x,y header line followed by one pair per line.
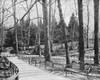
x,y
73,28
10,39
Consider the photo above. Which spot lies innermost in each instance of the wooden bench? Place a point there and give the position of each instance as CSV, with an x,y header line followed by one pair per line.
x,y
49,63
74,68
36,60
89,70
58,66
54,65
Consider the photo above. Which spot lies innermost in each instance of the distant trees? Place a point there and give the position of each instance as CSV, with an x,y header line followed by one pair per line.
x,y
33,31
10,36
96,31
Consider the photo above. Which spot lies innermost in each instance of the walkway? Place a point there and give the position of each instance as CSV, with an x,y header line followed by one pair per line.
x,y
29,72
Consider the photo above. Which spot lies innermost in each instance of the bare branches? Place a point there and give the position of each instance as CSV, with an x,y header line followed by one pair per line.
x,y
12,6
29,10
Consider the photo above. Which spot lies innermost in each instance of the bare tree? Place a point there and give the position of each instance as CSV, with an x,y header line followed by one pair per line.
x,y
62,23
81,39
75,7
88,17
47,50
15,22
28,23
38,32
96,31
53,21
50,25
3,12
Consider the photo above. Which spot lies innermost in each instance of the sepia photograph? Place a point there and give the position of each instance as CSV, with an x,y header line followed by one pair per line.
x,y
49,39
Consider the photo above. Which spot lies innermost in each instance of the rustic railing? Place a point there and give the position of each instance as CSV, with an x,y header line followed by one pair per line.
x,y
9,71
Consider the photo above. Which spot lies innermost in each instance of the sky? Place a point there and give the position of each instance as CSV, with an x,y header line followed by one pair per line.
x,y
68,7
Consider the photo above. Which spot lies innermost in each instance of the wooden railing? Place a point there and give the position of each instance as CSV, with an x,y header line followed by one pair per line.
x,y
9,71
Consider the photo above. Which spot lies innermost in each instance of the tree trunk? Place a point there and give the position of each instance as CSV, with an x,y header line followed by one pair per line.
x,y
2,27
81,39
96,31
47,50
72,38
15,24
53,21
38,32
50,25
88,16
28,24
62,22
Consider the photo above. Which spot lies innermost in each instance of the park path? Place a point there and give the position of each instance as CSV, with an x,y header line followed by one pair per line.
x,y
30,72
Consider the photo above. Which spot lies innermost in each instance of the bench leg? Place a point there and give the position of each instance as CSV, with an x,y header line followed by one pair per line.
x,y
45,65
35,62
29,60
40,63
17,78
52,66
66,73
88,77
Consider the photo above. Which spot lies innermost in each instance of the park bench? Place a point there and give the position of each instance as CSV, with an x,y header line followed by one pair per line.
x,y
48,63
36,60
90,70
54,65
58,66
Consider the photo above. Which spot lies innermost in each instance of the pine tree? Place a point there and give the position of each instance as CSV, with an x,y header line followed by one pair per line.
x,y
73,28
10,39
